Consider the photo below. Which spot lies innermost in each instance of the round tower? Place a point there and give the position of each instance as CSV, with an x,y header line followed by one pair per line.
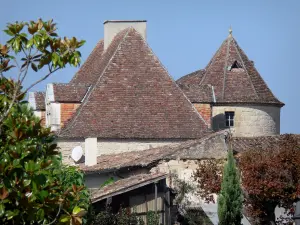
x,y
230,94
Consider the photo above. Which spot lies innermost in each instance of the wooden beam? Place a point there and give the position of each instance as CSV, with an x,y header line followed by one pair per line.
x,y
168,211
155,186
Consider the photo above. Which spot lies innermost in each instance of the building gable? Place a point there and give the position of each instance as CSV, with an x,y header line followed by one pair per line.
x,y
134,97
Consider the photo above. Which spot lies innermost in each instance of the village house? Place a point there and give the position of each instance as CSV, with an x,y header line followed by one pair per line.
x,y
137,125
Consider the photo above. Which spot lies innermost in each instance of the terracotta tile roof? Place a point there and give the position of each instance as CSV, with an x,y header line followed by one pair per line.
x,y
198,93
190,85
134,97
211,146
40,100
191,78
125,185
86,73
69,92
241,144
234,77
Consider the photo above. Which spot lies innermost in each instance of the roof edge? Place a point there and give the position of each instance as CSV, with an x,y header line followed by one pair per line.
x,y
132,187
124,21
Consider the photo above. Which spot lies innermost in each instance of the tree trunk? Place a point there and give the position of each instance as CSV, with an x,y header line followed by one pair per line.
x,y
269,218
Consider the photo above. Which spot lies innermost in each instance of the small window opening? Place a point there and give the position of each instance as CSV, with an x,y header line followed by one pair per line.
x,y
236,65
229,119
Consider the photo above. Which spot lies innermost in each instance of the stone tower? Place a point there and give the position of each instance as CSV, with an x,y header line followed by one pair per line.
x,y
230,94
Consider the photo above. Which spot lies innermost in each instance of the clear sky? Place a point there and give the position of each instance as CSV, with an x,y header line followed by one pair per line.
x,y
186,34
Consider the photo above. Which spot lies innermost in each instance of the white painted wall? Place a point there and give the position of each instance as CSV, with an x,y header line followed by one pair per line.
x,y
52,109
249,120
110,146
31,100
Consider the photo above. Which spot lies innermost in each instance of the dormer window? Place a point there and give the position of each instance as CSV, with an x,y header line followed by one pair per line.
x,y
235,65
229,119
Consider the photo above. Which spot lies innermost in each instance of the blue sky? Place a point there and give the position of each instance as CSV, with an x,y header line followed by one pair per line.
x,y
185,35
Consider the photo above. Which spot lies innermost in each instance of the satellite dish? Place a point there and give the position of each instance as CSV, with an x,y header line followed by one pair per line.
x,y
77,153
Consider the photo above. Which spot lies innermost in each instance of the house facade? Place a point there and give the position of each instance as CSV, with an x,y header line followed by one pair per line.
x,y
130,117
125,99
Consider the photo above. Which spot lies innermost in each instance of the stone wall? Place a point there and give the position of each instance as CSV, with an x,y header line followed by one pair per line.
x,y
111,146
248,120
205,111
184,170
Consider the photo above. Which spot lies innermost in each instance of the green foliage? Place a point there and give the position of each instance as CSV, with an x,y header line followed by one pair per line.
x,y
41,45
32,47
107,182
123,217
152,218
35,187
230,199
182,188
195,216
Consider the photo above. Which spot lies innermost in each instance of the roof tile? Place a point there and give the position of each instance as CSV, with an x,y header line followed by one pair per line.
x,y
69,92
232,85
40,100
134,97
125,185
85,74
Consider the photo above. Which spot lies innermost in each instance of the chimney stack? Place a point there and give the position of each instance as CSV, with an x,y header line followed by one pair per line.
x,y
112,27
90,151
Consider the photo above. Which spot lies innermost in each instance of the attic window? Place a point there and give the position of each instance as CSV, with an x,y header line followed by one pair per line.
x,y
235,65
229,119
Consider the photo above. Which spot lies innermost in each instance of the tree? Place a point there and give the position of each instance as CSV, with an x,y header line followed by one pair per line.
x,y
208,176
35,187
230,200
37,48
271,177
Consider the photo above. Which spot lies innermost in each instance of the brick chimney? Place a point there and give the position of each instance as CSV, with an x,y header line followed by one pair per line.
x,y
112,27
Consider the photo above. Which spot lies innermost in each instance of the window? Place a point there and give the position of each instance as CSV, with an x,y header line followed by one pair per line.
x,y
235,65
229,118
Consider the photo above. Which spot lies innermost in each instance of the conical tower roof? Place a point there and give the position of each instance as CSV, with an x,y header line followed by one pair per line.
x,y
234,77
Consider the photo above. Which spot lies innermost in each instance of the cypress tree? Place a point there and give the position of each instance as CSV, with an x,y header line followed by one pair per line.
x,y
230,199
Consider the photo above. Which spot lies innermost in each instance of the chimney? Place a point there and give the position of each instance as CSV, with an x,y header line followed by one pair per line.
x,y
112,27
90,151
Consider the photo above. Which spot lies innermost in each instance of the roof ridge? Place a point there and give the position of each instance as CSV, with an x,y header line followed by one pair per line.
x,y
89,58
245,85
211,62
88,94
243,64
226,64
260,78
195,110
189,74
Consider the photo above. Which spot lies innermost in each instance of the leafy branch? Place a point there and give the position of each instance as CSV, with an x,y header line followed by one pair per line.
x,y
37,45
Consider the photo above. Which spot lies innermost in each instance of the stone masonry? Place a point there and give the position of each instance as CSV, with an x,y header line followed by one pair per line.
x,y
249,120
